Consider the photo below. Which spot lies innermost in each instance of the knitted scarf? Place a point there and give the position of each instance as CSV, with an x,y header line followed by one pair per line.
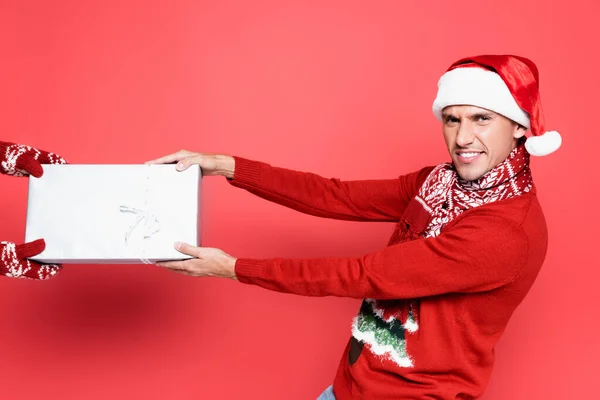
x,y
444,195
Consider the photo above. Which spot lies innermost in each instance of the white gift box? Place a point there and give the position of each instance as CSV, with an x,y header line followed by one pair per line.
x,y
113,214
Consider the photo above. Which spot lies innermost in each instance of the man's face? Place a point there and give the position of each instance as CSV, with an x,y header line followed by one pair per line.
x,y
478,139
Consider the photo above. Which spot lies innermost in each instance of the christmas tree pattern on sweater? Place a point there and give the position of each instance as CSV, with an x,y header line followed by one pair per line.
x,y
383,327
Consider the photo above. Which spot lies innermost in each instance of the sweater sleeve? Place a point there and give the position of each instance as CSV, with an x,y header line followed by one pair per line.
x,y
477,254
359,200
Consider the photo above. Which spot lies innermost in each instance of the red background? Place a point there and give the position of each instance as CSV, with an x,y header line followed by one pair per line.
x,y
338,88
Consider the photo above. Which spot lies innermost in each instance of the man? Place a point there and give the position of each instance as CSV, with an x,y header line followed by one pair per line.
x,y
469,241
21,160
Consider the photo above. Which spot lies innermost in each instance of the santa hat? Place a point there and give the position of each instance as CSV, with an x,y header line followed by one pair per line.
x,y
505,84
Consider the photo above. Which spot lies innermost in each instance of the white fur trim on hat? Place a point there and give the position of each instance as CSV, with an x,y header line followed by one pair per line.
x,y
543,145
477,87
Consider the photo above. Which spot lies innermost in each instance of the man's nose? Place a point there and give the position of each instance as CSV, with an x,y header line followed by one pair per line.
x,y
465,136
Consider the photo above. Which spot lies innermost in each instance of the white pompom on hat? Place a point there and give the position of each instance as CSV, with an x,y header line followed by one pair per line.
x,y
505,84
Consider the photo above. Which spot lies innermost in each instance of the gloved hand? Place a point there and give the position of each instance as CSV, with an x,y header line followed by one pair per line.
x,y
22,160
14,263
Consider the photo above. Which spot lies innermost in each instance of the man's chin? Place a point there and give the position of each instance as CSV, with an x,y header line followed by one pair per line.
x,y
469,173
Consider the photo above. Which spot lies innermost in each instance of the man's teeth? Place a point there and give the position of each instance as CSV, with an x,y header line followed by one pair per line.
x,y
467,155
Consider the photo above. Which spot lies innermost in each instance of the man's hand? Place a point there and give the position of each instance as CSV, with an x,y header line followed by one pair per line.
x,y
22,160
206,262
210,164
14,262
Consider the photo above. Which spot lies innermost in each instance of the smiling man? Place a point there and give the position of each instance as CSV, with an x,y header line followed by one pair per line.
x,y
469,240
478,139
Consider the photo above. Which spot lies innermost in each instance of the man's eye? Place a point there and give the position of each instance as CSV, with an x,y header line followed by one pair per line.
x,y
450,120
483,118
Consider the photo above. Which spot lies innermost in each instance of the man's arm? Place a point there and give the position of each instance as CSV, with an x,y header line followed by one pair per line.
x,y
479,253
366,200
359,200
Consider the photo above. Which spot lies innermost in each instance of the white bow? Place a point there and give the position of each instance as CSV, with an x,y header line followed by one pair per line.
x,y
151,224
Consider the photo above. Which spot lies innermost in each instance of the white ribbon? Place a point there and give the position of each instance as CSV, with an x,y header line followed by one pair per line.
x,y
151,225
151,222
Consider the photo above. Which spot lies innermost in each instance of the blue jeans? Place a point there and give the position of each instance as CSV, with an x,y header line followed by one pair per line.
x,y
327,394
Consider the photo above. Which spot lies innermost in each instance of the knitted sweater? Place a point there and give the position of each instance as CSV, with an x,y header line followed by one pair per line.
x,y
433,308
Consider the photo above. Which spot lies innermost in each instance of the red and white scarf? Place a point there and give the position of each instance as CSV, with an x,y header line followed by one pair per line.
x,y
444,195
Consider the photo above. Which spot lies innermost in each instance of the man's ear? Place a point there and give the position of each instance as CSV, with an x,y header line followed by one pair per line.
x,y
519,131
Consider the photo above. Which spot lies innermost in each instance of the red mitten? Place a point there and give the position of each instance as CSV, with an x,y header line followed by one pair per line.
x,y
21,160
14,262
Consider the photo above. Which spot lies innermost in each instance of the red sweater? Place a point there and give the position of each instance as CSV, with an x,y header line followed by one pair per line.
x,y
433,308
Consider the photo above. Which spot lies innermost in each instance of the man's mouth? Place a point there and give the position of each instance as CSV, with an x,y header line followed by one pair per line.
x,y
467,157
